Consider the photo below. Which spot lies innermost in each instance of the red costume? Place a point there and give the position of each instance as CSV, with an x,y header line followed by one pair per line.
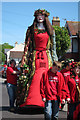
x,y
52,86
76,114
73,94
66,74
42,63
12,79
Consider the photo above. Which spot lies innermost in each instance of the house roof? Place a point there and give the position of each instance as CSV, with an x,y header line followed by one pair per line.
x,y
17,51
18,47
73,26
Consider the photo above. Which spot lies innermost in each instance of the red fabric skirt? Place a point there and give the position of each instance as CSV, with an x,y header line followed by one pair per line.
x,y
34,96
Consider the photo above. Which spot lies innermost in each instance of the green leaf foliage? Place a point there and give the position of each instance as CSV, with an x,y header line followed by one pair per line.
x,y
6,46
2,57
2,48
62,40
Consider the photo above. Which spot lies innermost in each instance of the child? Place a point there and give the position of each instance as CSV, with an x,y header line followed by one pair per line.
x,y
52,86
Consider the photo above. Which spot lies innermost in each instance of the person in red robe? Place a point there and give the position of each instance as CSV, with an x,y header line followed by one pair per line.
x,y
65,72
12,78
38,55
52,91
73,94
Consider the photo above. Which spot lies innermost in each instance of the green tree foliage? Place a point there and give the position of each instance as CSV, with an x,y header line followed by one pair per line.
x,y
6,46
2,57
62,40
2,48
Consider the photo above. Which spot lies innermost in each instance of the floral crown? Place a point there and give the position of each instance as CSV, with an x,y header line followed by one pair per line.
x,y
42,11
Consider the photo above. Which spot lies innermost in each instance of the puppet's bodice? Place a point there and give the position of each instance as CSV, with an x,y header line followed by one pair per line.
x,y
41,40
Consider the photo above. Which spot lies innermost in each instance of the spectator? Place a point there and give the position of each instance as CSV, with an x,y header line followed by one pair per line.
x,y
12,72
52,84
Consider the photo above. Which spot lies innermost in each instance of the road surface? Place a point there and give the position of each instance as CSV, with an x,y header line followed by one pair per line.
x,y
21,114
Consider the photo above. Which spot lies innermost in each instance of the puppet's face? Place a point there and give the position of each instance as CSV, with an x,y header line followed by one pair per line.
x,y
40,18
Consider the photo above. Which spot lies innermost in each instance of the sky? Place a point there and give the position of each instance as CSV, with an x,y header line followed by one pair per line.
x,y
17,16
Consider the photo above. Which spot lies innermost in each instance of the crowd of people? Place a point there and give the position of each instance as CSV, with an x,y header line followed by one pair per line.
x,y
58,84
41,81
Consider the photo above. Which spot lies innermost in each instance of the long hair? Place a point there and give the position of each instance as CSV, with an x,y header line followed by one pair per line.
x,y
47,25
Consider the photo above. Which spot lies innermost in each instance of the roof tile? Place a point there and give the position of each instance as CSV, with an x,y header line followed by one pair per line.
x,y
74,27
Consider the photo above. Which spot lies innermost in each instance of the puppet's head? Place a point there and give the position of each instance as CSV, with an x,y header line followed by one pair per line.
x,y
46,22
41,11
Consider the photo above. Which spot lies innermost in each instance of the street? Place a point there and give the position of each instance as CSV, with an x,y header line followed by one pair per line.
x,y
27,113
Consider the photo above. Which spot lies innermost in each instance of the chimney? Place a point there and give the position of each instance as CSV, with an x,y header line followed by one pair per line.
x,y
56,21
16,43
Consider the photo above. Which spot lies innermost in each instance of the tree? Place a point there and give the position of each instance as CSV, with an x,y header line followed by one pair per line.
x,y
2,48
62,40
2,57
6,46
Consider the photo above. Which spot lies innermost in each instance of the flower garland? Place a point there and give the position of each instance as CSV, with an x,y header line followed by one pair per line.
x,y
42,11
73,65
23,78
72,73
38,31
22,85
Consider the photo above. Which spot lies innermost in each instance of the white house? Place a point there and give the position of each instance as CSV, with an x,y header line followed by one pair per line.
x,y
16,52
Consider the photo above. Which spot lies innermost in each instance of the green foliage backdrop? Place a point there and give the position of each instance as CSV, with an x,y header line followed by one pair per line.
x,y
62,40
2,48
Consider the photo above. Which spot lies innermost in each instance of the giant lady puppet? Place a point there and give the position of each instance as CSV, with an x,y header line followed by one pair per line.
x,y
38,57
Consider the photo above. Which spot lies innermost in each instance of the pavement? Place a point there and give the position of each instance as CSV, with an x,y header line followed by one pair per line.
x,y
26,113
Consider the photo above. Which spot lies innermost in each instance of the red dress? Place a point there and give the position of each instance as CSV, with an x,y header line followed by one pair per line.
x,y
41,65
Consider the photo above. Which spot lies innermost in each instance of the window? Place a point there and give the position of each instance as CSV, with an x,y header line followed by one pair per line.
x,y
75,45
